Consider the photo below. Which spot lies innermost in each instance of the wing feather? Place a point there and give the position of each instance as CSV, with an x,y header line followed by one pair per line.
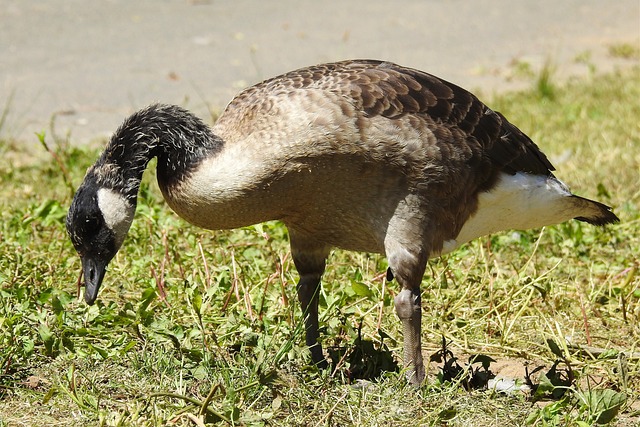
x,y
392,91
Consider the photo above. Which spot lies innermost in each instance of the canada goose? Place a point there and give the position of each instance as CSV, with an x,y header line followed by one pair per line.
x,y
360,155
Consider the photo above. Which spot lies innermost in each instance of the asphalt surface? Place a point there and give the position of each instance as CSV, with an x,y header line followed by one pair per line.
x,y
88,64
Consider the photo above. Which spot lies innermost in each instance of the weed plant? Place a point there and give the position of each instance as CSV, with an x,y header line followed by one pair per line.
x,y
195,327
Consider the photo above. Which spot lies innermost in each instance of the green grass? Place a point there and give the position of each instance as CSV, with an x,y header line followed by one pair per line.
x,y
624,50
223,344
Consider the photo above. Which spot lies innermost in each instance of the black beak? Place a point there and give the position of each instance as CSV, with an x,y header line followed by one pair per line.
x,y
93,271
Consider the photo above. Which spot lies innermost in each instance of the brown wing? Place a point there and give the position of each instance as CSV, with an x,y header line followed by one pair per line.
x,y
393,91
389,90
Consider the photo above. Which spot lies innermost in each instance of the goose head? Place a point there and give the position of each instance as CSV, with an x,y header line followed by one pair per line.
x,y
98,221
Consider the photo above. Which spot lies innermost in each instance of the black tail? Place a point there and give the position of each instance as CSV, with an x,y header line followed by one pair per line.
x,y
595,213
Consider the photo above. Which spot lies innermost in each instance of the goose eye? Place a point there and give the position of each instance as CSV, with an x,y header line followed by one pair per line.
x,y
92,223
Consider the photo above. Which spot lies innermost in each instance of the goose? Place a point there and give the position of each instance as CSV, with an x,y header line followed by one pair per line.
x,y
361,155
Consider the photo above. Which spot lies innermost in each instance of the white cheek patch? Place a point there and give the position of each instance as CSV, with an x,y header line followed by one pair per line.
x,y
116,211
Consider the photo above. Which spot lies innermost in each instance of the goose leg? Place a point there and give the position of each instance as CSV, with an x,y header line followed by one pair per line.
x,y
408,309
308,289
310,263
408,270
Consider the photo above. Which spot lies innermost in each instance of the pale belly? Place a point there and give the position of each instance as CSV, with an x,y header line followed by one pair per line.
x,y
338,203
346,204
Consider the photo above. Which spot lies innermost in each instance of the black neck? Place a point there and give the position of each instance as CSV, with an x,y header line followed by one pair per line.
x,y
172,134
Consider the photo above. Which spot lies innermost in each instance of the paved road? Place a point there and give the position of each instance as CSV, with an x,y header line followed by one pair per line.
x,y
90,63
